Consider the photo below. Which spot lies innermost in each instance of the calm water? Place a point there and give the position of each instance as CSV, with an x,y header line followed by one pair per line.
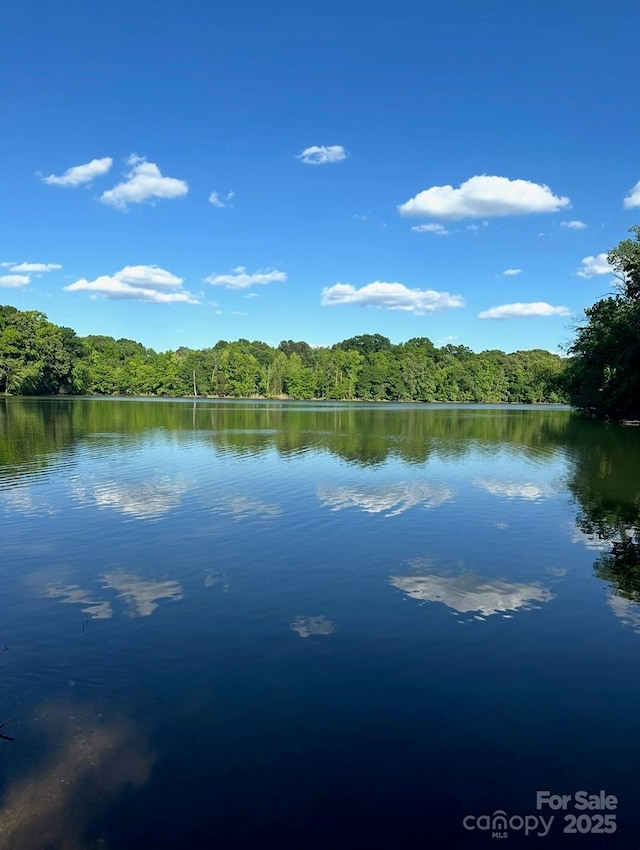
x,y
271,625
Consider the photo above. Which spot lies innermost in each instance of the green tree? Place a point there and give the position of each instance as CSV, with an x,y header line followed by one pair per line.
x,y
36,356
365,344
240,369
303,349
604,374
625,261
297,379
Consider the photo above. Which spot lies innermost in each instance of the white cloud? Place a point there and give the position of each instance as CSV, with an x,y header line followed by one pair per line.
x,y
438,229
31,267
218,200
512,271
633,198
14,281
322,154
144,182
80,174
151,276
141,283
391,296
241,280
592,266
483,196
574,225
523,311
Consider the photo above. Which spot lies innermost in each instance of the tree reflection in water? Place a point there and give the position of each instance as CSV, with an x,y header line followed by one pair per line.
x,y
605,481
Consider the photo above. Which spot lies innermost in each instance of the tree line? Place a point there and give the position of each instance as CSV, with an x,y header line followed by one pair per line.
x,y
601,375
38,357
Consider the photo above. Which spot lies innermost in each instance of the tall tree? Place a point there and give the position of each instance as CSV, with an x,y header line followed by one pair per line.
x,y
625,260
604,375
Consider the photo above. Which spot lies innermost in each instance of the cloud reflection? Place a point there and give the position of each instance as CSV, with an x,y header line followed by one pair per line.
x,y
307,626
627,611
469,593
591,541
242,507
390,499
216,579
148,499
515,490
20,498
95,608
141,595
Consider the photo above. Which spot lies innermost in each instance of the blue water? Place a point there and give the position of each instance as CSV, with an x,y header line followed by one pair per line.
x,y
269,625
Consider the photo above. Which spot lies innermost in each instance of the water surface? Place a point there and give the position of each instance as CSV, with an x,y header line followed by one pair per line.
x,y
266,624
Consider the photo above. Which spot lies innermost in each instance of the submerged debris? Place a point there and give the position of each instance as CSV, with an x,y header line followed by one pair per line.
x,y
2,725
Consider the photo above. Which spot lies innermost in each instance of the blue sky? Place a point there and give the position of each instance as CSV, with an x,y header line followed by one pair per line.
x,y
184,172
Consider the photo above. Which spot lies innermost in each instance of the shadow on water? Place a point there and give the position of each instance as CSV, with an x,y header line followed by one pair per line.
x,y
87,760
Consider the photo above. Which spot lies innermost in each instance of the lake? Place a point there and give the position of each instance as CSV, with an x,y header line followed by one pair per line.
x,y
300,625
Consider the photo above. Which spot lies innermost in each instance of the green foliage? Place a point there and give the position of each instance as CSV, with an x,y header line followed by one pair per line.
x,y
297,380
625,259
365,344
302,349
37,357
604,373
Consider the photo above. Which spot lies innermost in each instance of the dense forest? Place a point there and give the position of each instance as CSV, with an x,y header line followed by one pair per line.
x,y
38,357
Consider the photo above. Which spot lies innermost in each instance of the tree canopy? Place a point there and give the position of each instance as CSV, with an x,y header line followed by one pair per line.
x,y
625,260
604,374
